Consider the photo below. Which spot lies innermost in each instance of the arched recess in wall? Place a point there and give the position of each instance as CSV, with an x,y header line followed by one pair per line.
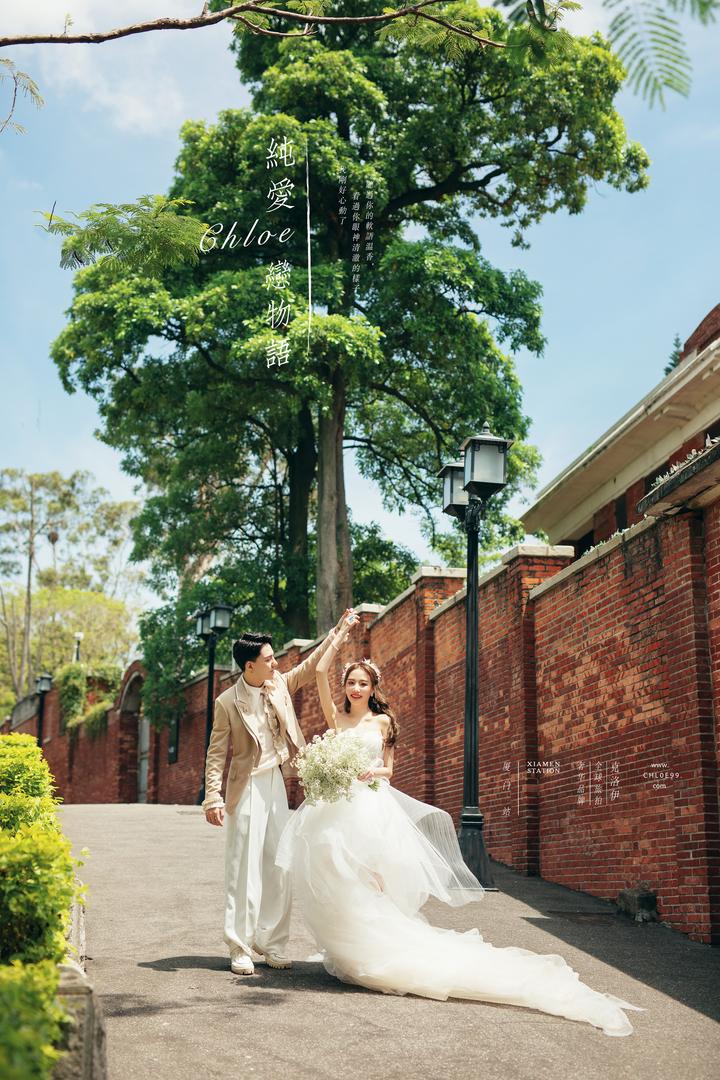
x,y
135,768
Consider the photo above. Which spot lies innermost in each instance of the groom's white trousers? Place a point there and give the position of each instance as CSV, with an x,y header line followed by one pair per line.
x,y
257,892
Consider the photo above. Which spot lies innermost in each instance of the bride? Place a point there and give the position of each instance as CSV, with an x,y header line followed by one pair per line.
x,y
362,868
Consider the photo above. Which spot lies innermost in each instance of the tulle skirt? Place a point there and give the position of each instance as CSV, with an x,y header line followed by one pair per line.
x,y
361,871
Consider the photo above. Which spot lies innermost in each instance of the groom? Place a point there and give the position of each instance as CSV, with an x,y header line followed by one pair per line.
x,y
257,717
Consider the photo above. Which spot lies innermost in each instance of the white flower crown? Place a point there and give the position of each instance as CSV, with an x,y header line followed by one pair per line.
x,y
354,663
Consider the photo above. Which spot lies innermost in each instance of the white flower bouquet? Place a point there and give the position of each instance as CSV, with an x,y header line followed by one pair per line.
x,y
328,765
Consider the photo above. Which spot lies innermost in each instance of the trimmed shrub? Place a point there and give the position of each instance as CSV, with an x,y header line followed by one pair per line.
x,y
23,769
32,1021
37,888
17,810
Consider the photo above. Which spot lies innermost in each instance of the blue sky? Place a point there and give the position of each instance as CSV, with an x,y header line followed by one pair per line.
x,y
619,280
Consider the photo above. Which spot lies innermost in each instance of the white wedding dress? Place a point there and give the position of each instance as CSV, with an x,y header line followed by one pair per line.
x,y
361,870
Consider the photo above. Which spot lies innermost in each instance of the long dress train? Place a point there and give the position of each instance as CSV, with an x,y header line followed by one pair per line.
x,y
361,870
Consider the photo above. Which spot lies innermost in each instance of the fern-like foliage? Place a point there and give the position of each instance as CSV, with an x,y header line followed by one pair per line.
x,y
647,37
146,236
648,40
21,84
422,32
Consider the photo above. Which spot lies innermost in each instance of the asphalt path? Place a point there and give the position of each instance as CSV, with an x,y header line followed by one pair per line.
x,y
175,1011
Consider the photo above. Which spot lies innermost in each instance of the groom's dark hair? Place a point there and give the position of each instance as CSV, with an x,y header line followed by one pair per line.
x,y
248,646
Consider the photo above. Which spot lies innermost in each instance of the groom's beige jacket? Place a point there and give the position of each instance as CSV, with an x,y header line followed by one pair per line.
x,y
234,722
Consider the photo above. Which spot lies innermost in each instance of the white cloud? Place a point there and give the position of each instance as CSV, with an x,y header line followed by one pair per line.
x,y
26,185
145,83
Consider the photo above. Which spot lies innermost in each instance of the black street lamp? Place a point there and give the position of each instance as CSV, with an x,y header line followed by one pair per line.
x,y
43,686
468,484
209,626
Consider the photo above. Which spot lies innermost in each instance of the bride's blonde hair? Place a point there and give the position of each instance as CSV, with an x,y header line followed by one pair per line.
x,y
377,701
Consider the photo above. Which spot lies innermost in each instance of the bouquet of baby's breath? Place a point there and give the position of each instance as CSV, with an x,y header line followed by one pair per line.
x,y
328,765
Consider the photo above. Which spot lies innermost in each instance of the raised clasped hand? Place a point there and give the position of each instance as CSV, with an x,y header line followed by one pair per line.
x,y
345,626
367,775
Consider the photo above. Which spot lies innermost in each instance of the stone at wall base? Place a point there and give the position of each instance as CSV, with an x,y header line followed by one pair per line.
x,y
639,902
84,1047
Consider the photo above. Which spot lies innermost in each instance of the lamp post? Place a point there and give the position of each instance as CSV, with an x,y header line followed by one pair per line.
x,y
467,486
43,686
209,626
78,638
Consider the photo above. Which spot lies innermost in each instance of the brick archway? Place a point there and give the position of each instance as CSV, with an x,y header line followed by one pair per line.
x,y
135,745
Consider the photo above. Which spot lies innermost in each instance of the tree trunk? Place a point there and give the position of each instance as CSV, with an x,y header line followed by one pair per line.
x,y
333,592
342,529
301,474
25,673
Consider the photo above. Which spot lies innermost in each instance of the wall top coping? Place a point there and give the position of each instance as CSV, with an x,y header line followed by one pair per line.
x,y
438,571
393,603
595,553
494,572
25,709
450,602
203,674
532,550
424,571
299,641
539,551
303,643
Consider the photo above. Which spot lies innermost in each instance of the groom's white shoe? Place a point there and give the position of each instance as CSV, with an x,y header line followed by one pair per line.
x,y
273,959
241,963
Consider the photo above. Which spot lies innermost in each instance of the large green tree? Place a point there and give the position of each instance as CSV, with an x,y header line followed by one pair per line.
x,y
400,368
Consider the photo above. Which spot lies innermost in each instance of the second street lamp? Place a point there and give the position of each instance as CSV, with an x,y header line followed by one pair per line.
x,y
43,686
210,625
468,484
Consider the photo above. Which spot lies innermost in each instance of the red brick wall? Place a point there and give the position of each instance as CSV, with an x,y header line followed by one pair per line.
x,y
633,496
623,685
712,576
506,681
604,522
607,668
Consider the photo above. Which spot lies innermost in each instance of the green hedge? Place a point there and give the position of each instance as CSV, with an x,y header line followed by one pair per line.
x,y
37,889
32,1021
23,769
17,810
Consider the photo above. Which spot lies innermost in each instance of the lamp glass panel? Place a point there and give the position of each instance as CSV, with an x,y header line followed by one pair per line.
x,y
484,463
459,495
447,489
206,628
220,617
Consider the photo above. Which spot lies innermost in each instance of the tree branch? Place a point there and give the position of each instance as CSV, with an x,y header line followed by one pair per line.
x,y
235,12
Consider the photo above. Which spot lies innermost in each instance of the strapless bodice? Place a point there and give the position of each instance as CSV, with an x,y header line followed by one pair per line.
x,y
373,739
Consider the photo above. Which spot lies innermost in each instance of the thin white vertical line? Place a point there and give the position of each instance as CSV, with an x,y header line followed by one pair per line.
x,y
518,788
309,263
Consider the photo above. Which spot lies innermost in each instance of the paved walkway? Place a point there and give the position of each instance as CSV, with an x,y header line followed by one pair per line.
x,y
174,1009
